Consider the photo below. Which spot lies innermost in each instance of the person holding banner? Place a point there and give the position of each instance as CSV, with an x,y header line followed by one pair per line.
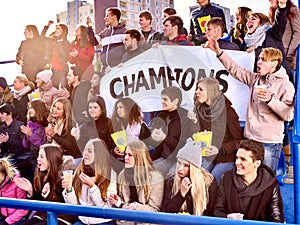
x,y
214,112
271,99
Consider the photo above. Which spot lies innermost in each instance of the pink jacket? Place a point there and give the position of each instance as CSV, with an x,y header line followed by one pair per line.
x,y
9,189
265,122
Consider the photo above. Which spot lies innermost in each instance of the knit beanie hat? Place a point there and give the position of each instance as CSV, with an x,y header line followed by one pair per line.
x,y
45,75
3,82
191,152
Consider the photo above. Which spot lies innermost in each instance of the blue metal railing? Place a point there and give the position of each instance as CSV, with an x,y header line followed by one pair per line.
x,y
53,209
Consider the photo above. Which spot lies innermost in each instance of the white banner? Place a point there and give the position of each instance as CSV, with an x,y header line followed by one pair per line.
x,y
143,77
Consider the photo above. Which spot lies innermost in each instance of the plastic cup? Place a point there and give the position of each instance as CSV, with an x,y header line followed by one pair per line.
x,y
68,176
235,216
261,87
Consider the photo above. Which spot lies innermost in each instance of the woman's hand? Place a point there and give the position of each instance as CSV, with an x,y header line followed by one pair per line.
x,y
131,206
86,180
192,116
212,150
118,152
26,130
46,188
24,184
186,185
49,131
75,132
113,199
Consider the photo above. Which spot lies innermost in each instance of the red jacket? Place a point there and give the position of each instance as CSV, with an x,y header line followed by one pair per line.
x,y
9,189
84,58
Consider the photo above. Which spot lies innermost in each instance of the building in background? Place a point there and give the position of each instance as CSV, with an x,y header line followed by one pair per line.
x,y
78,11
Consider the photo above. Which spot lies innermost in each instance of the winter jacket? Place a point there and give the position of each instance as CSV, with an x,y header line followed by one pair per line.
x,y
14,144
100,128
84,59
6,96
174,204
54,195
204,12
67,143
20,102
33,54
265,121
131,54
261,200
225,127
33,143
177,127
179,40
9,189
112,44
92,197
291,38
152,204
48,93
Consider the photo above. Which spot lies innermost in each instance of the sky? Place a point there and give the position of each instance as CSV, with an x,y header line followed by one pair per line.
x,y
15,15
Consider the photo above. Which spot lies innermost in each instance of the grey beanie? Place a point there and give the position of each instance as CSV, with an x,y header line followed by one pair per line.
x,y
45,75
191,152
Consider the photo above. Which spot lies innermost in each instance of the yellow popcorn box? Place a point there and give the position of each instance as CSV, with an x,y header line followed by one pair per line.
x,y
119,138
205,137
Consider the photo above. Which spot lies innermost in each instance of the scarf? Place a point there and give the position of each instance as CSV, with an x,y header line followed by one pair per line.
x,y
129,176
258,37
89,170
19,94
211,112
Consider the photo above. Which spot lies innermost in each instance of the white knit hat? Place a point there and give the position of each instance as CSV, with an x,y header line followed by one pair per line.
x,y
191,152
45,75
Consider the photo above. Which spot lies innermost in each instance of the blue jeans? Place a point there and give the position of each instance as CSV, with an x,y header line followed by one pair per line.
x,y
220,168
272,154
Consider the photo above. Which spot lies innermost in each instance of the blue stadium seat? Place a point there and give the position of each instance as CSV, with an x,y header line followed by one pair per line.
x,y
281,171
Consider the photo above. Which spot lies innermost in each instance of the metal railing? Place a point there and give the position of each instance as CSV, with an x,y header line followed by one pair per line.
x,y
53,209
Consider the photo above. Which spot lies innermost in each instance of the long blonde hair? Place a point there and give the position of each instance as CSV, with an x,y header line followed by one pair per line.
x,y
7,168
142,169
101,165
201,180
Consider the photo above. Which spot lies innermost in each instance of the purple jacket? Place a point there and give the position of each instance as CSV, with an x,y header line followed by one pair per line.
x,y
9,189
32,143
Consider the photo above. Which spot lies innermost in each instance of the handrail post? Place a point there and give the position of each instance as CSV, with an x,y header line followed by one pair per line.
x,y
52,218
296,141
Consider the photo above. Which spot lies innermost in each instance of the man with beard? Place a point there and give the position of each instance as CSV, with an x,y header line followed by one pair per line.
x,y
132,44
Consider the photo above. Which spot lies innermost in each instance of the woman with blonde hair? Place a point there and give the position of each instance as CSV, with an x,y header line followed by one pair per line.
x,y
94,181
22,87
192,189
214,112
140,184
9,189
59,128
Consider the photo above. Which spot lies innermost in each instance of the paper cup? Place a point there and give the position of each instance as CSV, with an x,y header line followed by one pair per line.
x,y
235,216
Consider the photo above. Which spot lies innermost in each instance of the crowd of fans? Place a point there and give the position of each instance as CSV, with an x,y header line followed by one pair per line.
x,y
56,120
